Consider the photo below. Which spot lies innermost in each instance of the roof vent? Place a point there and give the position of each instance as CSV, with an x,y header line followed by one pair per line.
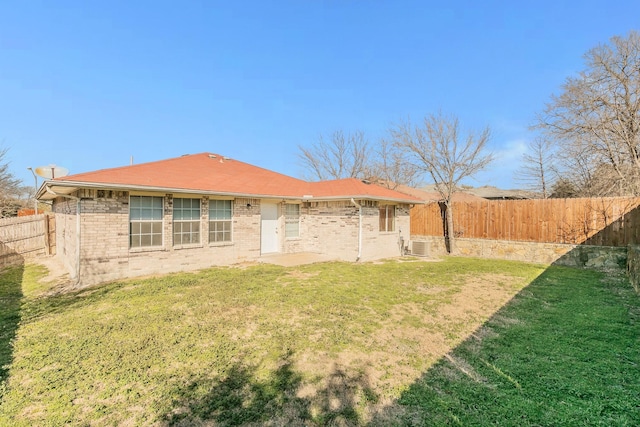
x,y
212,156
366,181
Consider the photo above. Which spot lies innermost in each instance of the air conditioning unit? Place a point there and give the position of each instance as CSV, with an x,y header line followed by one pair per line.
x,y
419,248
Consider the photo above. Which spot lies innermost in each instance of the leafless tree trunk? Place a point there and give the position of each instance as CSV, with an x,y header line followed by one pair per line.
x,y
437,148
538,169
597,116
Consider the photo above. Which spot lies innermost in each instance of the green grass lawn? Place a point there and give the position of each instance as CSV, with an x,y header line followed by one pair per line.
x,y
564,352
326,344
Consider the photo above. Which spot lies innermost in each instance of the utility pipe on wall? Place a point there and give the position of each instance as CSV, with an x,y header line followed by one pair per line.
x,y
359,228
78,206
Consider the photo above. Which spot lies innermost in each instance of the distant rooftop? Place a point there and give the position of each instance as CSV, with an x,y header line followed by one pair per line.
x,y
494,193
485,192
429,194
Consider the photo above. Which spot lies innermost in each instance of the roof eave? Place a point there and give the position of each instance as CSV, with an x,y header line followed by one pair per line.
x,y
72,186
363,197
76,185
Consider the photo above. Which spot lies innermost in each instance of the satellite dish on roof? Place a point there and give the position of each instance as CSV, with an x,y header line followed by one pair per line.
x,y
51,171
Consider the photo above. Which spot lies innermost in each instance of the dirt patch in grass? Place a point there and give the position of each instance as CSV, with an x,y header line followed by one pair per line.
x,y
477,299
55,279
411,339
297,274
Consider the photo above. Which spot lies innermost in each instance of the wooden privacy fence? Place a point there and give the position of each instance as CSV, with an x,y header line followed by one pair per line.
x,y
607,221
26,237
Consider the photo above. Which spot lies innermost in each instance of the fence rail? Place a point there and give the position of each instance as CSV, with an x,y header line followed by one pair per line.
x,y
608,221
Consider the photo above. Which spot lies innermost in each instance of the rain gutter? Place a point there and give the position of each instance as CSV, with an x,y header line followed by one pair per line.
x,y
122,187
359,228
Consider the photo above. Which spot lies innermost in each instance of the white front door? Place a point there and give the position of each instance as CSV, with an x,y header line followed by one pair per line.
x,y
269,228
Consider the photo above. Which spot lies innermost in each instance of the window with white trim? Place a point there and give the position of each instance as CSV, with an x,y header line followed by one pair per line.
x,y
387,217
186,221
292,220
220,214
145,221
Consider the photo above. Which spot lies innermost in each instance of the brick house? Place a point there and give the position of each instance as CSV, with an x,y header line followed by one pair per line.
x,y
201,210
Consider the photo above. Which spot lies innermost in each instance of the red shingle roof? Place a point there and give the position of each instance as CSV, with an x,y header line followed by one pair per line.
x,y
215,174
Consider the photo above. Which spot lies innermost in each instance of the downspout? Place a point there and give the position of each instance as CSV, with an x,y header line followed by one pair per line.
x,y
78,205
359,229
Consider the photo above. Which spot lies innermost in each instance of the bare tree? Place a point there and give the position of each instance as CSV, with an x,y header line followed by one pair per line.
x,y
538,169
437,148
596,118
353,156
340,157
11,188
391,166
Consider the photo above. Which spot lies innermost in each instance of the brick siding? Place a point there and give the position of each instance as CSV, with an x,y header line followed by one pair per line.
x,y
329,228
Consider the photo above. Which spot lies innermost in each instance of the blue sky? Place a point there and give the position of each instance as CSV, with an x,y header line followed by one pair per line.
x,y
90,84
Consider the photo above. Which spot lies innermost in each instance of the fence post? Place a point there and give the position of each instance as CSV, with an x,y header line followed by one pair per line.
x,y
47,242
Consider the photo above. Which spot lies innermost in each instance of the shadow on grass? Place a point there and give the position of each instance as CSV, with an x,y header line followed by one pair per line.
x,y
241,397
10,305
46,305
564,351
